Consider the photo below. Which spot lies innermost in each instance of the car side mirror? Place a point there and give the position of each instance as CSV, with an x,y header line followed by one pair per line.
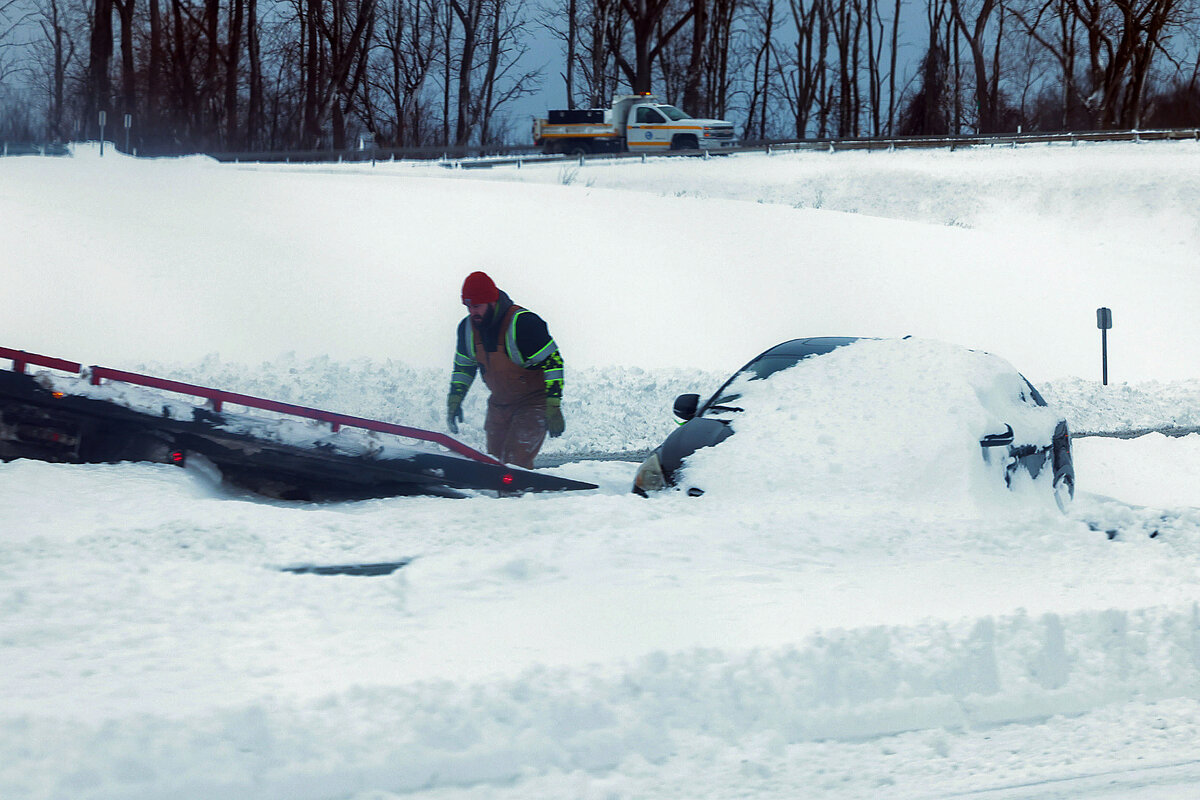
x,y
686,405
998,439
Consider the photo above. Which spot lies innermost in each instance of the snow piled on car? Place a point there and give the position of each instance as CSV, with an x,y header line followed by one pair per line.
x,y
879,422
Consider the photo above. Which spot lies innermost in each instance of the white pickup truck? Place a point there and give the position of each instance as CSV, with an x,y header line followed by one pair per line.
x,y
638,123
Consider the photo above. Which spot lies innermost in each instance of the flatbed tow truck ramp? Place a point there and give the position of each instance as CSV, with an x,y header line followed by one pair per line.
x,y
69,413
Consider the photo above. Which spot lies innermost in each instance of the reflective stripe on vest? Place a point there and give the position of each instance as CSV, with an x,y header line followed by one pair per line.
x,y
510,344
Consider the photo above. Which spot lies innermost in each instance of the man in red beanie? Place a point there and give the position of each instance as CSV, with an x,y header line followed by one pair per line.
x,y
521,366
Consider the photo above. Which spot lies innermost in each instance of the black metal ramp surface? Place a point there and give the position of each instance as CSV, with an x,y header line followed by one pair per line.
x,y
40,423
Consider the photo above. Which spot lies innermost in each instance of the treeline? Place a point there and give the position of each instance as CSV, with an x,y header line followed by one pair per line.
x,y
319,74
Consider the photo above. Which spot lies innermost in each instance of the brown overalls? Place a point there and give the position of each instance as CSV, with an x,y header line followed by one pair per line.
x,y
516,415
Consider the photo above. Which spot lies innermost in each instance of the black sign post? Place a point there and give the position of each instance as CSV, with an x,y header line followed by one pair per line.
x,y
103,119
1104,323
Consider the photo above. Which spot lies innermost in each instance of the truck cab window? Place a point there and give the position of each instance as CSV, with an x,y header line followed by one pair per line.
x,y
649,115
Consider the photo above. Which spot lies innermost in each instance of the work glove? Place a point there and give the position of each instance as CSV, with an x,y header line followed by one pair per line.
x,y
555,424
454,413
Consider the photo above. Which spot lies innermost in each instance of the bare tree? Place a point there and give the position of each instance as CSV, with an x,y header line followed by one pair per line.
x,y
99,88
1119,40
693,83
801,84
925,111
409,43
760,82
487,71
847,30
9,20
232,62
503,81
602,31
1122,40
254,111
470,17
986,94
651,33
337,33
717,78
1053,25
562,21
446,32
55,52
891,124
873,22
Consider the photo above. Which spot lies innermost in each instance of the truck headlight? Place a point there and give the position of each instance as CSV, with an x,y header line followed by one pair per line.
x,y
649,477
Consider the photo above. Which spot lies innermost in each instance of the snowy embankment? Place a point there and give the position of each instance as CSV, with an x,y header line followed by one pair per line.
x,y
598,645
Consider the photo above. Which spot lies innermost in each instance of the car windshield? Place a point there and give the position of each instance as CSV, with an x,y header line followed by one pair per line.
x,y
756,370
1034,393
673,113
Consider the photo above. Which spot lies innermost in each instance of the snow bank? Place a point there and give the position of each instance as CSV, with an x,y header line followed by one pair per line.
x,y
1124,407
1169,482
983,187
608,410
836,686
628,265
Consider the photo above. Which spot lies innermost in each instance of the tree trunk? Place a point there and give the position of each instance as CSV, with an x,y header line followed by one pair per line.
x,y
181,69
692,100
646,17
128,78
312,68
254,113
984,99
572,37
62,52
892,74
769,47
99,89
488,88
152,107
233,55
212,67
468,17
449,30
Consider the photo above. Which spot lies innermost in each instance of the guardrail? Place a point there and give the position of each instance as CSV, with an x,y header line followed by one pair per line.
x,y
482,158
33,149
506,155
989,140
218,397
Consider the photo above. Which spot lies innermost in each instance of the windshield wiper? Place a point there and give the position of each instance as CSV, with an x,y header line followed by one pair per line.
x,y
724,408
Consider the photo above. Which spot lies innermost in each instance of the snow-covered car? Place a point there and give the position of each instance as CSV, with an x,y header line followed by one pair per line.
x,y
867,411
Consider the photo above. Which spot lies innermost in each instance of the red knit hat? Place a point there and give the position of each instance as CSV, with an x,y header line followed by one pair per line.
x,y
478,289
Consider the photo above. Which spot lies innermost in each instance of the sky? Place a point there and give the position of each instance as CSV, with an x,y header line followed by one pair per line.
x,y
912,630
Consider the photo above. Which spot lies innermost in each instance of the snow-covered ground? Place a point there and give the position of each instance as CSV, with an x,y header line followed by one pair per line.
x,y
597,645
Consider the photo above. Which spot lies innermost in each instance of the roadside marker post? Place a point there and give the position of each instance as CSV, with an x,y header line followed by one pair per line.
x,y
1104,323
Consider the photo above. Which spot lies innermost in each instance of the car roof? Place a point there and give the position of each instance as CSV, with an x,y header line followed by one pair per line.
x,y
792,350
810,346
820,345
